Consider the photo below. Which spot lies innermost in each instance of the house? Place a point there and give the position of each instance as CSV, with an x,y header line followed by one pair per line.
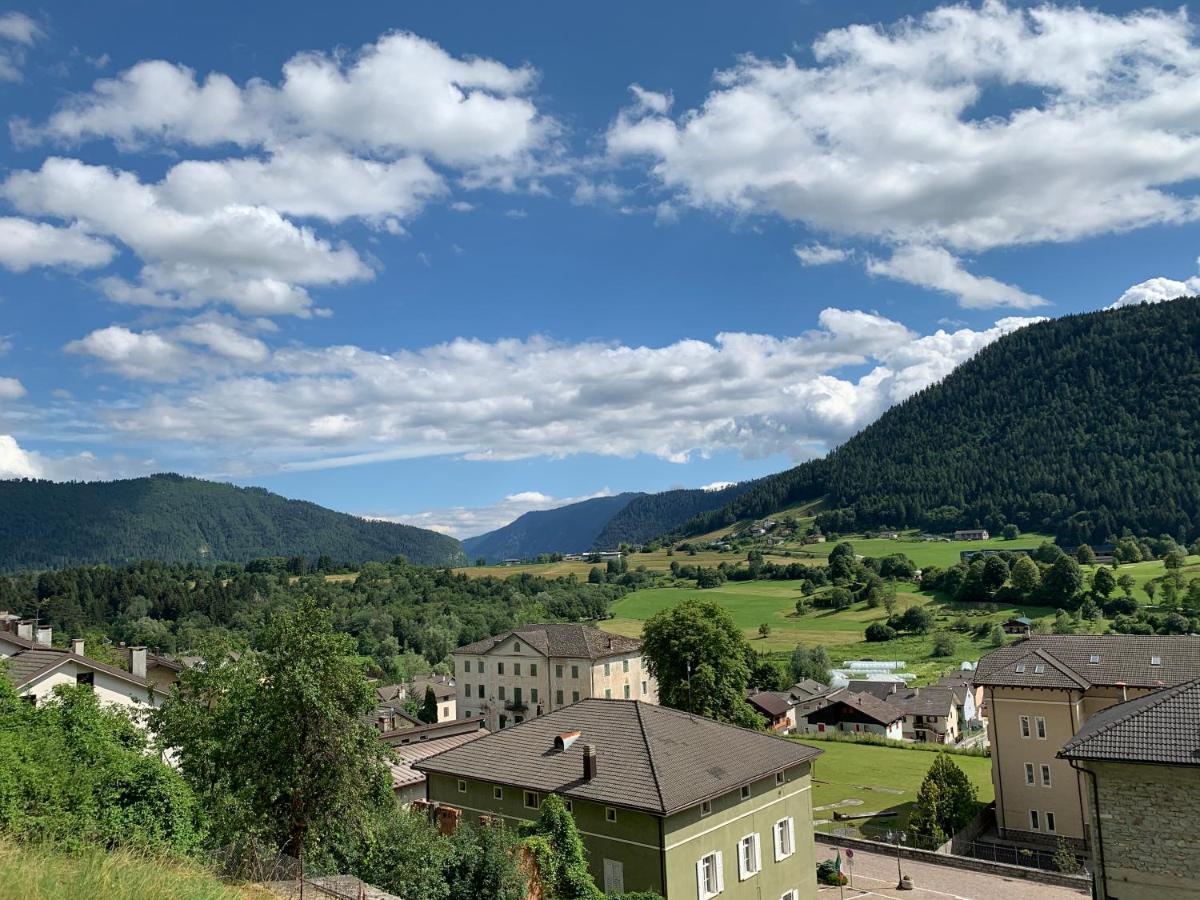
x,y
776,709
890,535
445,692
931,714
968,694
814,539
162,670
1140,765
417,742
857,714
535,669
806,688
35,668
1040,692
971,534
1018,625
665,801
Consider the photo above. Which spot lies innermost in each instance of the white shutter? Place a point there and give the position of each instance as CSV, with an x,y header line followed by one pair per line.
x,y
777,837
743,872
757,853
701,893
720,872
791,832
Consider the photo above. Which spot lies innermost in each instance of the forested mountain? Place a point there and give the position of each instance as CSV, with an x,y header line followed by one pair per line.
x,y
649,515
170,518
568,529
1082,426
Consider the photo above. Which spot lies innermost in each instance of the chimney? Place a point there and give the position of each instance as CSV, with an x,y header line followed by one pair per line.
x,y
77,646
893,687
137,661
589,762
44,634
566,739
25,629
1124,693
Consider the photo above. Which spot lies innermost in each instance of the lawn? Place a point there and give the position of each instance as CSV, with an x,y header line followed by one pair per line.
x,y
862,778
925,553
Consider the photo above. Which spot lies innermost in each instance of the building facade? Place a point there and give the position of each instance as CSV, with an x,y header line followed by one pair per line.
x,y
536,669
664,801
1039,692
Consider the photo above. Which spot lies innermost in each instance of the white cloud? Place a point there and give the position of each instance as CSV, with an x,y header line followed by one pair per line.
x,y
172,354
464,521
24,244
818,254
1156,290
15,462
18,32
514,399
940,270
967,128
11,389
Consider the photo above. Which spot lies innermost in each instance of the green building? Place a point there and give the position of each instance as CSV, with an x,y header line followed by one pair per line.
x,y
665,801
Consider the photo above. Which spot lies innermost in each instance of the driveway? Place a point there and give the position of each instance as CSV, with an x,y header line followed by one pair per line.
x,y
875,876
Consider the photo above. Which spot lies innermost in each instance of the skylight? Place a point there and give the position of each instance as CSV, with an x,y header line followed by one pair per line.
x,y
1039,669
1156,660
1094,658
1020,667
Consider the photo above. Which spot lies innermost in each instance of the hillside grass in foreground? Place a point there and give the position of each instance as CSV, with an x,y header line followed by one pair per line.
x,y
881,779
39,873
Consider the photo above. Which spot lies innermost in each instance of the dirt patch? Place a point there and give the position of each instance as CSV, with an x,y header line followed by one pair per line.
x,y
838,805
879,790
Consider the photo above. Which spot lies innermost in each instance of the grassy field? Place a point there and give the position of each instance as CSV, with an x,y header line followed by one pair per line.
x,y
925,553
35,873
881,779
658,561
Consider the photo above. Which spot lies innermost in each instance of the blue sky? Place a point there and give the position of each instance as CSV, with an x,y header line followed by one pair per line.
x,y
447,263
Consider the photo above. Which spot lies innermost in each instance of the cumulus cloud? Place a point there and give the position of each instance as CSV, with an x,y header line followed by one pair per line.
x,y
11,389
464,521
819,255
14,461
25,244
514,399
1156,290
966,128
171,354
18,32
940,270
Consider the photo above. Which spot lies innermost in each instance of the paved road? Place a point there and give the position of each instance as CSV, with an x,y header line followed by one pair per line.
x,y
875,876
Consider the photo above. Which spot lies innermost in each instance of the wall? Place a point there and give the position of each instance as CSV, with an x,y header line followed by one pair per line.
x,y
109,688
691,836
1148,825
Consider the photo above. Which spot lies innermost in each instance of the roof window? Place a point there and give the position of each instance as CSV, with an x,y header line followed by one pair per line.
x,y
1156,660
1039,669
1094,658
1020,667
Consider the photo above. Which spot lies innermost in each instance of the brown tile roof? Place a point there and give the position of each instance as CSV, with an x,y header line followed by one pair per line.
x,y
770,703
926,701
1066,661
880,690
403,773
562,639
26,665
651,758
442,690
806,688
1162,727
871,707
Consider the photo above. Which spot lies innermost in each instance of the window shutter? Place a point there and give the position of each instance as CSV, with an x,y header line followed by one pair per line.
x,y
743,872
757,853
720,872
777,837
700,892
791,830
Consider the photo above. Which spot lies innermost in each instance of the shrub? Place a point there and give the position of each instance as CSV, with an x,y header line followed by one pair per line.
x,y
879,632
943,645
946,801
827,873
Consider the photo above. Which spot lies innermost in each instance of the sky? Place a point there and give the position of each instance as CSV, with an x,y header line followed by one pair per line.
x,y
447,263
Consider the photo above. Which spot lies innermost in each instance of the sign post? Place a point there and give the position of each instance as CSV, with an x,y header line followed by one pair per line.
x,y
850,857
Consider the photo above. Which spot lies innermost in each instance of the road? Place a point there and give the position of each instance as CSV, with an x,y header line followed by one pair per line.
x,y
875,876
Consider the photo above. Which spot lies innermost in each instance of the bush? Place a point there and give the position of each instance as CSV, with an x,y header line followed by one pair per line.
x,y
878,632
946,801
943,645
827,873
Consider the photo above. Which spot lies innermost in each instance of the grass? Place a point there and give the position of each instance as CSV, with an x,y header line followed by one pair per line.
x,y
926,553
39,873
881,779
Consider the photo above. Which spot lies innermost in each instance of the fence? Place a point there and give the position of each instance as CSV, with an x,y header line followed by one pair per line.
x,y
290,877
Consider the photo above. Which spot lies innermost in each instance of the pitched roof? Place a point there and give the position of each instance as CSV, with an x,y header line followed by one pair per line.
x,y
403,773
1067,661
769,702
807,687
1161,727
880,690
25,666
871,707
925,701
562,639
649,757
442,690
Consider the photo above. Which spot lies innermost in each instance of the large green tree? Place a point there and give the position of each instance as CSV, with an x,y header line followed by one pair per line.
x,y
698,655
946,801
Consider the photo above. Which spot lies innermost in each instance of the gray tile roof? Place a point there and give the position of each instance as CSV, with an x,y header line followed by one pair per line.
x,y
24,665
562,639
880,690
926,701
651,758
806,688
1066,661
873,708
1162,727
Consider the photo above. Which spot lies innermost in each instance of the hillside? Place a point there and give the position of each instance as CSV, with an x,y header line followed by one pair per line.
x,y
1081,426
649,515
567,529
176,519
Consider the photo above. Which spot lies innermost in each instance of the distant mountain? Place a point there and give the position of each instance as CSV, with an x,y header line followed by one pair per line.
x,y
170,518
1081,426
567,529
648,516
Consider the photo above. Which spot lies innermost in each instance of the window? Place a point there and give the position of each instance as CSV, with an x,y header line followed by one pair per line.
x,y
1021,667
1093,659
467,689
705,808
497,793
1046,777
516,646
1024,726
531,800
749,863
568,805
466,665
574,671
481,692
558,698
88,678
500,692
574,696
462,786
479,668
516,668
1156,660
624,665
499,668
1039,670
785,838
533,695
608,693
607,669
645,688
1041,728
533,668
1033,820
610,814
745,792
558,671
468,714
780,777
1049,821
445,712
710,877
627,695
790,895
1029,773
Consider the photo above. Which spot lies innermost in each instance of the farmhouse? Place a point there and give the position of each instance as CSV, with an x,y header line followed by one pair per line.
x,y
665,801
971,534
858,714
1018,625
776,709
